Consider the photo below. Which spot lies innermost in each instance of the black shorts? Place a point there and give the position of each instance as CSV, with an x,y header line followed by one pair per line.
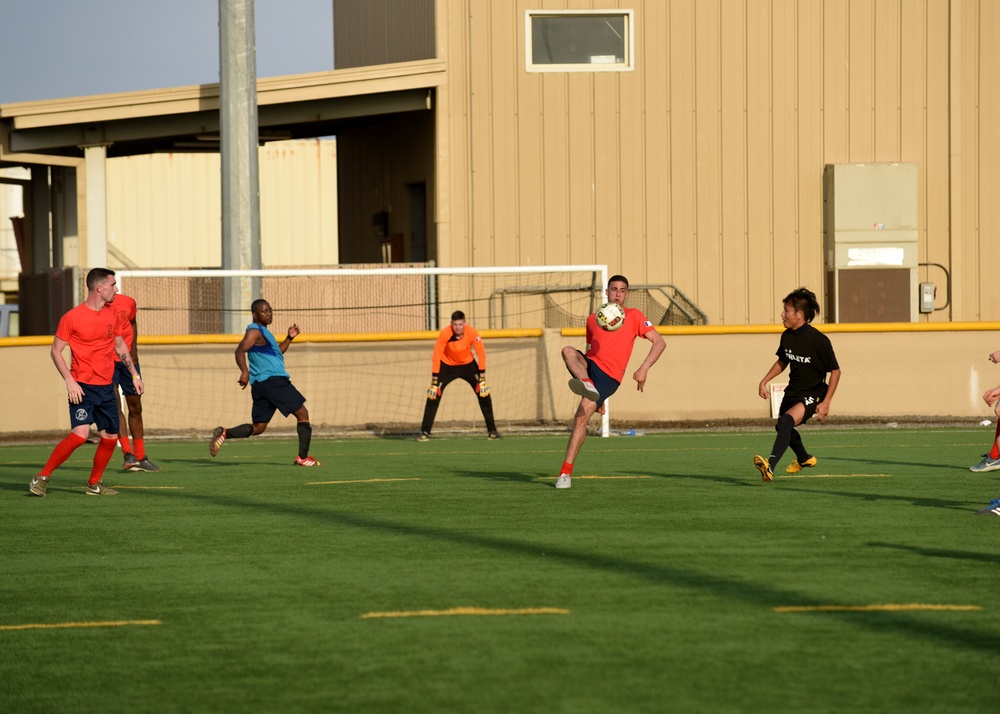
x,y
810,399
99,406
274,394
123,379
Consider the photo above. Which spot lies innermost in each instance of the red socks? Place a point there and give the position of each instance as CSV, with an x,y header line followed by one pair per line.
x,y
105,450
567,468
140,448
62,452
123,440
995,452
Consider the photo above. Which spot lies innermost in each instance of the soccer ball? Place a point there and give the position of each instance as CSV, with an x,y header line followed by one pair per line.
x,y
610,316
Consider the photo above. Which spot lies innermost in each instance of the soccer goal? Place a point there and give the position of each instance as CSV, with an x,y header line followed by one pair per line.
x,y
365,351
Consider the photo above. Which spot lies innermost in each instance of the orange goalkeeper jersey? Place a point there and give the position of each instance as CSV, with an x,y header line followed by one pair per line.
x,y
456,351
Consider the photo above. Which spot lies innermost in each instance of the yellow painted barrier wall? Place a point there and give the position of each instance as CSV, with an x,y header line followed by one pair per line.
x,y
704,374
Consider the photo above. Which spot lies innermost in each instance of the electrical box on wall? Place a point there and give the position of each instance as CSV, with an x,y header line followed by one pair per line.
x,y
927,294
870,242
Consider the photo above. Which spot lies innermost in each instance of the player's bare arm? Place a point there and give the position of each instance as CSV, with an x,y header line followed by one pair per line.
x,y
992,395
293,332
73,390
123,354
995,357
655,350
777,368
823,408
252,337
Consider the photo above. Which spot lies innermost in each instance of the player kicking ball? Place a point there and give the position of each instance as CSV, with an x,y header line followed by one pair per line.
x,y
262,365
810,355
611,335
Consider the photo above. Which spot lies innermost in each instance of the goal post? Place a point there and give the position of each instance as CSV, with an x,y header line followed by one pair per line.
x,y
373,299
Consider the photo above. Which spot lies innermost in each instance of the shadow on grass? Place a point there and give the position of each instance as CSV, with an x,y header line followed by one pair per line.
x,y
888,462
875,497
739,591
508,476
991,558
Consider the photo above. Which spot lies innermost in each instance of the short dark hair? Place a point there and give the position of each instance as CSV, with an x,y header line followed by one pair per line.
x,y
617,279
256,304
803,300
97,276
458,315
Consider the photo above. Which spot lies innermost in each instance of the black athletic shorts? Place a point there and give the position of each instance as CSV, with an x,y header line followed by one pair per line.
x,y
811,400
274,394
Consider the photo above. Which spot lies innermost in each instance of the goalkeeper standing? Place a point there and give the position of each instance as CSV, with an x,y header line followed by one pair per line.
x,y
453,360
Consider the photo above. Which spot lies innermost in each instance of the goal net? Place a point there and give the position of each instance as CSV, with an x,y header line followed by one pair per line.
x,y
363,361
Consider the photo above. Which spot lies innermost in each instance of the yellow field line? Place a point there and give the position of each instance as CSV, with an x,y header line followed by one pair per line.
x,y
366,480
150,488
68,625
876,608
607,478
466,611
784,476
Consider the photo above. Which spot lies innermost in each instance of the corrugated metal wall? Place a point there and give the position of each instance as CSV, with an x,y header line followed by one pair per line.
x,y
162,204
368,32
704,166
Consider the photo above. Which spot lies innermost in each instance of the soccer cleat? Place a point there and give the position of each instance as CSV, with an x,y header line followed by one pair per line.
x,y
991,510
38,485
424,436
99,489
145,464
585,389
765,468
131,463
218,439
795,466
494,435
307,461
564,481
987,464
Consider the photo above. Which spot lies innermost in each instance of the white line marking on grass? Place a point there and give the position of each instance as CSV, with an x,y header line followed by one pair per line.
x,y
784,476
458,611
908,607
366,480
69,625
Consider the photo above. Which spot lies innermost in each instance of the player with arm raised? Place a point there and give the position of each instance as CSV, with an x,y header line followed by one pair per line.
x,y
598,374
94,337
811,356
262,365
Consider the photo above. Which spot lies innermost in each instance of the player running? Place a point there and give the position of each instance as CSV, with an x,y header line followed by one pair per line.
x,y
270,385
991,460
810,354
598,374
135,452
453,360
94,336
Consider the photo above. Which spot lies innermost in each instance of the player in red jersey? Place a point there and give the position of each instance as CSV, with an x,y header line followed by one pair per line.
x,y
94,336
598,374
453,359
135,452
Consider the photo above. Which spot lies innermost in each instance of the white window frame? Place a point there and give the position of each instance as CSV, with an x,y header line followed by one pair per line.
x,y
627,66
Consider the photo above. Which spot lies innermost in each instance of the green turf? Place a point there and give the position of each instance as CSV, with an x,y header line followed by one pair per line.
x,y
259,579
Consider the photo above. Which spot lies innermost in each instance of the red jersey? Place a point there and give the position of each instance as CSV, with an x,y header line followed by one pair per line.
x,y
458,351
91,338
124,307
611,351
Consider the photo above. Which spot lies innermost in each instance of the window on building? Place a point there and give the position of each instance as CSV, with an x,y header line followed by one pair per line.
x,y
579,40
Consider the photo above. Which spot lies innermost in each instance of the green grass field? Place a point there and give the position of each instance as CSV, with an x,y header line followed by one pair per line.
x,y
655,584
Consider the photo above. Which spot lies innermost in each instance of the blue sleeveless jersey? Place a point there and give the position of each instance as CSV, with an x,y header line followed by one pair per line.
x,y
265,361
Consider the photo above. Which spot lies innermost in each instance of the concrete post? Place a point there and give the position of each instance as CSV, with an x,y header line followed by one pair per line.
x,y
240,180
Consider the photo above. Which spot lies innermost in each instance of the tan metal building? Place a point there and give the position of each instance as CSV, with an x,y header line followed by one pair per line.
x,y
696,156
678,141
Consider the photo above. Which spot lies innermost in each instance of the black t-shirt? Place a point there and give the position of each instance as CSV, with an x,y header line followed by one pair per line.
x,y
809,354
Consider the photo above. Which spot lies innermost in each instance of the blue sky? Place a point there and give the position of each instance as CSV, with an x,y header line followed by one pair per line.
x,y
66,48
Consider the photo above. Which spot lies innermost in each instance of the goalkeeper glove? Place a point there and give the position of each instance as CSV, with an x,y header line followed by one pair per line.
x,y
483,390
433,391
